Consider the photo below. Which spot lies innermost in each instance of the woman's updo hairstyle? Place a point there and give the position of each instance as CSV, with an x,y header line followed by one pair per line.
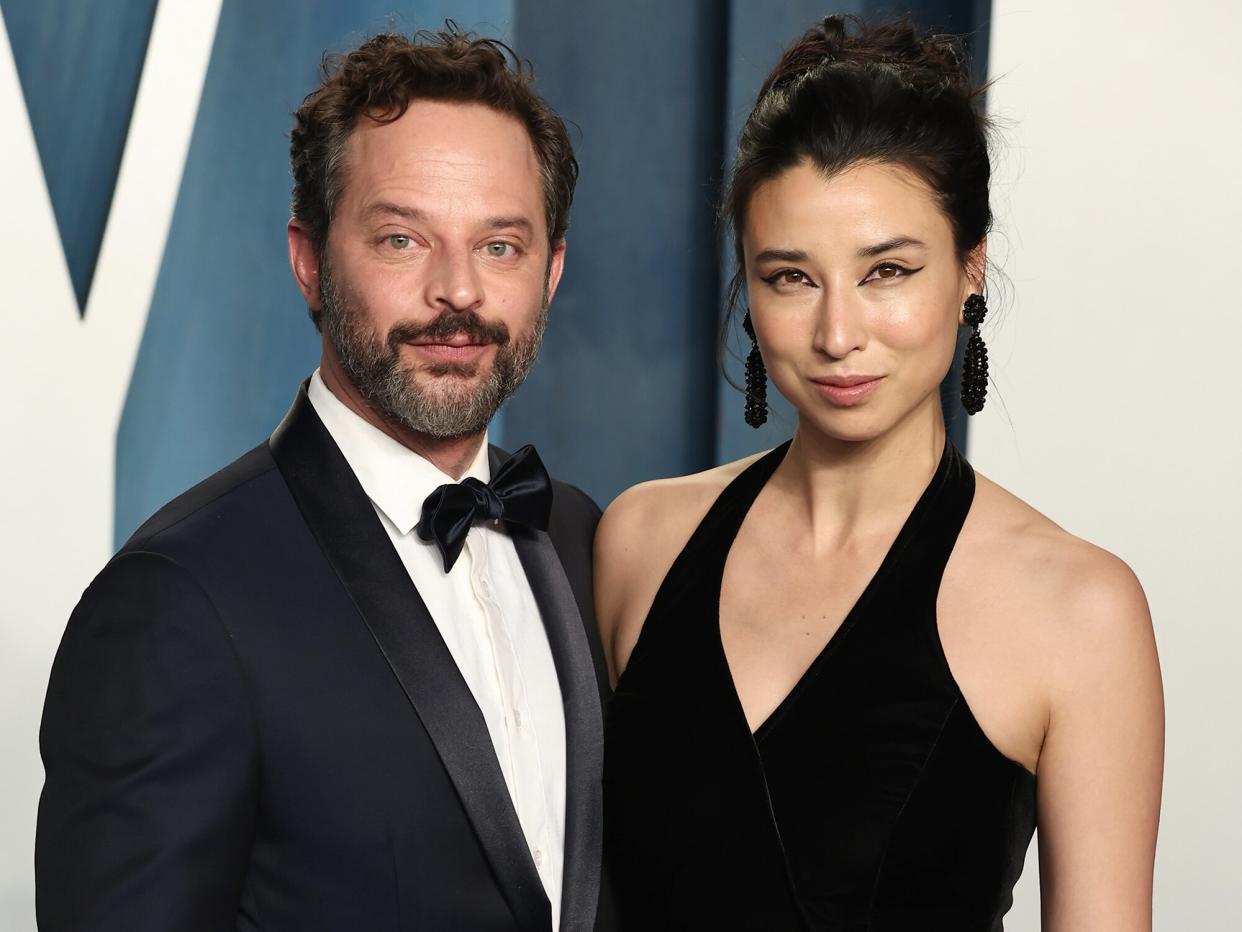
x,y
848,93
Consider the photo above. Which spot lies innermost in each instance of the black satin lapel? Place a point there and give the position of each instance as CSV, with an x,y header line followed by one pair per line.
x,y
354,541
584,752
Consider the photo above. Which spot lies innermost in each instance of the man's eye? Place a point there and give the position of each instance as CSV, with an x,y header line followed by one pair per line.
x,y
398,241
499,250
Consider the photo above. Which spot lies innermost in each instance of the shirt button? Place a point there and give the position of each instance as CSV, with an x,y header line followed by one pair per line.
x,y
539,857
517,717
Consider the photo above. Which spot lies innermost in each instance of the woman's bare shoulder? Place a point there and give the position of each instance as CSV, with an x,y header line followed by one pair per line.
x,y
638,539
1076,593
667,508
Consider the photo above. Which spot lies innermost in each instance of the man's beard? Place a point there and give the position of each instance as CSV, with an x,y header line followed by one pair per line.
x,y
442,406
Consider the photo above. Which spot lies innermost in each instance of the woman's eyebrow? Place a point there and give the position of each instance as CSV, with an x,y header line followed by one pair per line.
x,y
897,242
781,255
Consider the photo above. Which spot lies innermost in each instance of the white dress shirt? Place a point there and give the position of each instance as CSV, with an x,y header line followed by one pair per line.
x,y
487,615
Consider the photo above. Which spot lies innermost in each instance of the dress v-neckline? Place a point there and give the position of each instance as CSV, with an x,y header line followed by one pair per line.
x,y
899,544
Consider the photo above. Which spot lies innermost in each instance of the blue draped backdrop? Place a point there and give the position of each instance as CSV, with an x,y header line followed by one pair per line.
x,y
628,386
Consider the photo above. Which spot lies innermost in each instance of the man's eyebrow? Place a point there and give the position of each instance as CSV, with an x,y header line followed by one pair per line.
x,y
503,223
414,214
781,255
897,242
408,213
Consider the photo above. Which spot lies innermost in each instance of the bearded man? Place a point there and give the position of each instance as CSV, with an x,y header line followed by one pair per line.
x,y
351,681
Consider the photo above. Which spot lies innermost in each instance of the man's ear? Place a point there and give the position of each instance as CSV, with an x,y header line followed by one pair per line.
x,y
304,262
556,265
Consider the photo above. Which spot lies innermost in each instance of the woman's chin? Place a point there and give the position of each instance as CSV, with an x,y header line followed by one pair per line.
x,y
853,425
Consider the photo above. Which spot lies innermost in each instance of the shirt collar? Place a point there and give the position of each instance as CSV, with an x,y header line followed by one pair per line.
x,y
395,478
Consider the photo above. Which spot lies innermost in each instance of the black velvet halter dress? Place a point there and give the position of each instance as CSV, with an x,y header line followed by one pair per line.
x,y
869,800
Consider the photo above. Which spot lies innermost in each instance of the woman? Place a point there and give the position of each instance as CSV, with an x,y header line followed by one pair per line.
x,y
851,675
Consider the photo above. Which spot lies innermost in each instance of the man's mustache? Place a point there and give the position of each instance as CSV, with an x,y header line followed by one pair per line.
x,y
447,325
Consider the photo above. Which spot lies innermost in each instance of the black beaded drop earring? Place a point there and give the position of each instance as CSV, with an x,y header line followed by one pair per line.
x,y
756,380
975,362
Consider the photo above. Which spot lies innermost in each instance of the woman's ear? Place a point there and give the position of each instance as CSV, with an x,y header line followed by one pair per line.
x,y
976,268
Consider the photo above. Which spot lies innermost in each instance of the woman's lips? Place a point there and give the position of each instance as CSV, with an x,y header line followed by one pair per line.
x,y
847,390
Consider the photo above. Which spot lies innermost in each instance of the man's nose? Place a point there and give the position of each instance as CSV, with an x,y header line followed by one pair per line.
x,y
453,281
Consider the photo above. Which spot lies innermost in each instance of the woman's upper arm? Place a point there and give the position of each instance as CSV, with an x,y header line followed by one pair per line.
x,y
617,571
1101,765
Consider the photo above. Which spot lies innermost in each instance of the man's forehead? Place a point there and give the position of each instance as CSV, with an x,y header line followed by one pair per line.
x,y
437,147
449,132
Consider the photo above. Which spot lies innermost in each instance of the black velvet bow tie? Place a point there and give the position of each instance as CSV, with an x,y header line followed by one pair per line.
x,y
520,492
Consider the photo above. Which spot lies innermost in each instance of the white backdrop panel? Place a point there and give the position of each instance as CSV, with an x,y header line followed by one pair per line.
x,y
1114,406
64,379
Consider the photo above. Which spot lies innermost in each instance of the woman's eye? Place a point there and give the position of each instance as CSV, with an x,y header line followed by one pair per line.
x,y
787,278
398,241
500,250
889,271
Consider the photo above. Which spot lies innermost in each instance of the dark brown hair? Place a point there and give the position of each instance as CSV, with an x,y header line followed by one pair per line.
x,y
380,78
849,93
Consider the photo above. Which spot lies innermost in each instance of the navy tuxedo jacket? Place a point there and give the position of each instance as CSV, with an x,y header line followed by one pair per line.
x,y
254,724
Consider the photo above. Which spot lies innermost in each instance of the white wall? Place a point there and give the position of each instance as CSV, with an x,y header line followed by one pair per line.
x,y
1115,404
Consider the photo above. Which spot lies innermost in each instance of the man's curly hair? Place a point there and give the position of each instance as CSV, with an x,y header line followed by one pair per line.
x,y
378,80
